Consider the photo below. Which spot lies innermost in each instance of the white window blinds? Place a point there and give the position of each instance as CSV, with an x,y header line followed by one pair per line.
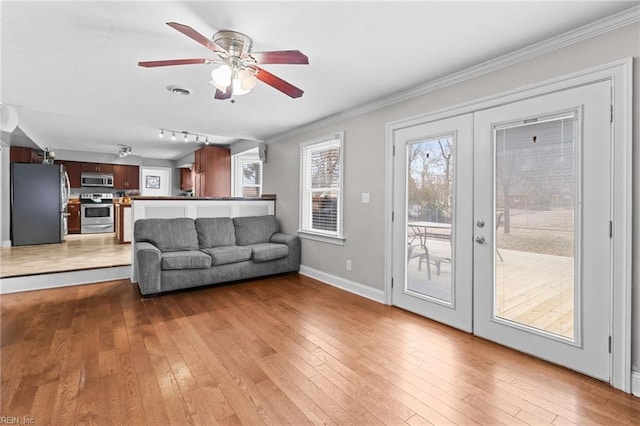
x,y
321,187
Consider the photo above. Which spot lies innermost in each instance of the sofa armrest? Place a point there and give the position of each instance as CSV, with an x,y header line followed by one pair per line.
x,y
293,241
148,259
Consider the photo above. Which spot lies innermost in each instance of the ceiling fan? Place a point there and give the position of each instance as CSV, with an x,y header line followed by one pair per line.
x,y
239,71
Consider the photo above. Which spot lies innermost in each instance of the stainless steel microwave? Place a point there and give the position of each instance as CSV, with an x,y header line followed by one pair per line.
x,y
96,179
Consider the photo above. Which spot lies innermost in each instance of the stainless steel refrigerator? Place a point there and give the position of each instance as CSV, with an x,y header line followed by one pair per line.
x,y
39,197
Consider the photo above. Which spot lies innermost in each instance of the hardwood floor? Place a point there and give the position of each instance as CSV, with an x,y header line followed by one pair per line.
x,y
280,350
77,252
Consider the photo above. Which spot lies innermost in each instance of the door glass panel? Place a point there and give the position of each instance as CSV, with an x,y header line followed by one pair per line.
x,y
429,218
535,206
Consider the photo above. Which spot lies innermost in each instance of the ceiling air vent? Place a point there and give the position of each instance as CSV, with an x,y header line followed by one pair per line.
x,y
177,90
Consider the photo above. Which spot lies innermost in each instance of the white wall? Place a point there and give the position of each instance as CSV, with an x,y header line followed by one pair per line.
x,y
5,193
97,157
165,180
365,166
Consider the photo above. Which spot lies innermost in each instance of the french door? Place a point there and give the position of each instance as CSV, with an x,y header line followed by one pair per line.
x,y
542,211
434,205
502,225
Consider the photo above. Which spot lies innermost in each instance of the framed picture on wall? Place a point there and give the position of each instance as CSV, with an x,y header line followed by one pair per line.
x,y
152,182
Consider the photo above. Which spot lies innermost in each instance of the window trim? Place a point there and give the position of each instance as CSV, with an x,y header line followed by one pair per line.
x,y
326,237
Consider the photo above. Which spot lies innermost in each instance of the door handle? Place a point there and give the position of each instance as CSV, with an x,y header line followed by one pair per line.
x,y
480,239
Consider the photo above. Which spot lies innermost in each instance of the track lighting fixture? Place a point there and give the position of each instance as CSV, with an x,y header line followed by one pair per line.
x,y
188,136
124,151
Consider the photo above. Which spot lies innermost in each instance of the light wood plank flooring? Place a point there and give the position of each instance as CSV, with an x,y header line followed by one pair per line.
x,y
281,350
78,252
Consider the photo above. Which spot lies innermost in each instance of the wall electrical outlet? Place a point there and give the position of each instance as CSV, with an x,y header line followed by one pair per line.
x,y
348,266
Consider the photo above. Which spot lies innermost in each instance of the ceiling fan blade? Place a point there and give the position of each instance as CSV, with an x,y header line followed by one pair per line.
x,y
278,83
194,35
169,62
223,95
281,57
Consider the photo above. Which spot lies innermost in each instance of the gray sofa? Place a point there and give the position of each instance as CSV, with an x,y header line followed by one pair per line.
x,y
174,254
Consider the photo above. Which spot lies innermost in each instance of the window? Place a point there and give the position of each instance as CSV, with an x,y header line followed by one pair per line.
x,y
251,177
321,171
247,181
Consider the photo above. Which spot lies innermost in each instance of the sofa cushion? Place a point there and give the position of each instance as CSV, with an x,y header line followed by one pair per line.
x,y
192,259
263,252
228,254
255,229
215,231
168,234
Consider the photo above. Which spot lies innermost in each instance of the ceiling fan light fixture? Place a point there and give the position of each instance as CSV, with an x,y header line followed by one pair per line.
x,y
244,82
235,55
221,77
248,80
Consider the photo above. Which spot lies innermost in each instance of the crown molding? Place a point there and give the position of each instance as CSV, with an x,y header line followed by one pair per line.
x,y
593,29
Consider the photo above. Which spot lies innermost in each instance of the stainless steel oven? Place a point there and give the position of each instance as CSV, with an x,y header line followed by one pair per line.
x,y
96,213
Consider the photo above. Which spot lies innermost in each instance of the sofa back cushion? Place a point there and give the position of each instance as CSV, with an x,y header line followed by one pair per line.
x,y
255,229
215,231
167,234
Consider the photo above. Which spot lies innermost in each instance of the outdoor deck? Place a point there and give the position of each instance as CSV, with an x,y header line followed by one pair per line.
x,y
532,289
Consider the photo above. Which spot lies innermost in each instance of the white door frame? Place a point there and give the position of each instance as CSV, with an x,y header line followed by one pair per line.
x,y
619,73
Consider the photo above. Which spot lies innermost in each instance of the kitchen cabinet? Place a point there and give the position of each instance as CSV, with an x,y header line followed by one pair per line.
x,y
126,177
74,171
97,168
200,163
199,184
213,172
73,220
186,180
21,154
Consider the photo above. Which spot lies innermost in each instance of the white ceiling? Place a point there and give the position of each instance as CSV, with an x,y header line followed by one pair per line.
x,y
70,68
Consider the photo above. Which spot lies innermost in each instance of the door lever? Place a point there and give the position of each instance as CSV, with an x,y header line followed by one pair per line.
x,y
480,239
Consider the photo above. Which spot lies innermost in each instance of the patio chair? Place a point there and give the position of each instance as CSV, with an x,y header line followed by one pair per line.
x,y
423,255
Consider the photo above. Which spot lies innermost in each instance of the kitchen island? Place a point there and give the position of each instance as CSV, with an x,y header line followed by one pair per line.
x,y
195,207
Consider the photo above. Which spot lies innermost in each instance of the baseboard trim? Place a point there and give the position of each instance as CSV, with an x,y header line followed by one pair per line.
x,y
635,383
63,279
5,243
344,284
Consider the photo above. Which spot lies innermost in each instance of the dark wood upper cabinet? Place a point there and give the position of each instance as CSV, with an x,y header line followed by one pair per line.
x,y
186,180
126,177
21,154
133,177
74,171
97,168
213,172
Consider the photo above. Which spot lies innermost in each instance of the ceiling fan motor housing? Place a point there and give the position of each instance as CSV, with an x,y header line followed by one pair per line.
x,y
237,44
